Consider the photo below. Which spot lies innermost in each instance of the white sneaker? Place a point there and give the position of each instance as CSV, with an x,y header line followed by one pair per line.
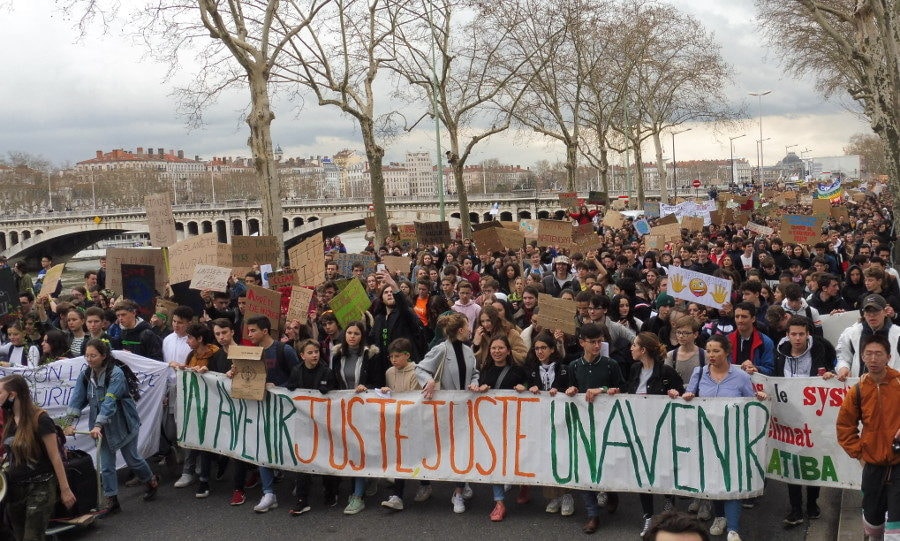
x,y
718,526
394,502
694,506
467,492
602,498
734,536
459,504
647,519
423,493
552,506
267,502
705,512
185,480
567,505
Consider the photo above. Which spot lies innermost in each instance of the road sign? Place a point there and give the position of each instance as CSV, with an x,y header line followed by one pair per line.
x,y
695,183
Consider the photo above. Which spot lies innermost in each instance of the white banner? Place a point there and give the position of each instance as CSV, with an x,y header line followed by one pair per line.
x,y
698,287
712,446
803,446
690,208
52,385
834,325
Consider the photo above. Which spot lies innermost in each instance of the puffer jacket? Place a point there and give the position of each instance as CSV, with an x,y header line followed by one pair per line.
x,y
878,407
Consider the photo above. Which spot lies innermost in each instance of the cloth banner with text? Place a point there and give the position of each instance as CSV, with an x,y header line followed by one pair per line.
x,y
690,208
712,446
52,386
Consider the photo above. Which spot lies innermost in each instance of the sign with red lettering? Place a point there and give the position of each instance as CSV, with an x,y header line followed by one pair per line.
x,y
554,232
264,302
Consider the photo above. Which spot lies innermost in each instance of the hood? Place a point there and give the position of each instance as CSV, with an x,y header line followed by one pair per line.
x,y
784,347
803,306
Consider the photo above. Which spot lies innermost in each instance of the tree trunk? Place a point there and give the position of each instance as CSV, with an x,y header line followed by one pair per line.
x,y
458,166
260,122
661,169
571,165
375,155
604,169
639,169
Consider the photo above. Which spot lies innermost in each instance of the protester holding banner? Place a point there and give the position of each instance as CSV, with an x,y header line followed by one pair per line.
x,y
17,352
874,403
32,466
750,349
491,323
114,420
719,377
137,336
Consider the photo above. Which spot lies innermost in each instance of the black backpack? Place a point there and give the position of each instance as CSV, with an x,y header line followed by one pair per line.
x,y
131,380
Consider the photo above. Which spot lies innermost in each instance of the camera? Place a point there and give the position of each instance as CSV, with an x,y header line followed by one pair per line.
x,y
896,446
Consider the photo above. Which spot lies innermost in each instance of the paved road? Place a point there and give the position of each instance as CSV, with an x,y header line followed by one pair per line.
x,y
177,515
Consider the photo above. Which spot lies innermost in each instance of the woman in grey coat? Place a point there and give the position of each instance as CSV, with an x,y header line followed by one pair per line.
x,y
453,363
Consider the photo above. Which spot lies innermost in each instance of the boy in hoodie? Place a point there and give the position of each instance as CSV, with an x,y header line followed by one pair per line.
x,y
795,304
137,335
799,355
466,305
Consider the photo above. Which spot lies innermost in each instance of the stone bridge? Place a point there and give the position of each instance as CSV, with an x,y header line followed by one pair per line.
x,y
63,234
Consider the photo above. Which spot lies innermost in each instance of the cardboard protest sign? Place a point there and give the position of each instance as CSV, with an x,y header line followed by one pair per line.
x,y
529,228
651,210
160,220
568,199
350,304
698,287
669,232
654,242
668,219
598,198
298,307
742,217
429,233
345,263
486,225
760,229
308,260
139,285
204,249
800,229
715,217
642,227
821,207
556,313
397,264
584,239
283,278
9,293
840,214
554,232
406,233
210,277
692,223
52,278
614,219
249,369
249,251
116,257
264,302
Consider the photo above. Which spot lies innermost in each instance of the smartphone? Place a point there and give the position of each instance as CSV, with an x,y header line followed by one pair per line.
x,y
380,267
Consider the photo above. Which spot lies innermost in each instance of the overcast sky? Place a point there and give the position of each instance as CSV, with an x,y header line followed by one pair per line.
x,y
64,98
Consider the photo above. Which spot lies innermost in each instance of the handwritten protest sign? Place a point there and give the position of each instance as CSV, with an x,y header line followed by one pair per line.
x,y
283,278
614,219
498,239
249,369
52,278
800,229
598,198
264,302
654,242
116,257
210,277
406,233
760,229
298,307
840,214
821,207
430,233
669,232
568,199
556,313
371,223
529,228
204,249
345,263
350,304
554,232
308,260
139,285
698,287
651,210
692,223
249,251
642,227
512,438
834,325
668,219
396,264
160,220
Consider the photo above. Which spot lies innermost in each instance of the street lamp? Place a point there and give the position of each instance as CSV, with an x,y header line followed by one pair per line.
x,y
437,117
675,163
759,162
759,143
731,144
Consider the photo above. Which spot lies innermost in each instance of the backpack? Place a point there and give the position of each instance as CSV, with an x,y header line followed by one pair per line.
x,y
131,380
60,435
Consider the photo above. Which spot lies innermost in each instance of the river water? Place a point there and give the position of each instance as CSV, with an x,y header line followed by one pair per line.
x,y
354,240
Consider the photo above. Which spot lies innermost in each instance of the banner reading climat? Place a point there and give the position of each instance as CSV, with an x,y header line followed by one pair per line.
x,y
52,385
711,446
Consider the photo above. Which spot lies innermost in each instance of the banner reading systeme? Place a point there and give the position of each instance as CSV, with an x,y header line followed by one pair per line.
x,y
626,443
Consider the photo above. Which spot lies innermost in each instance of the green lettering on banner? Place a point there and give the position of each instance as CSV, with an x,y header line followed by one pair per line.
x,y
191,383
809,468
616,415
737,442
587,438
829,472
677,449
774,463
554,444
649,469
748,445
225,400
704,422
282,426
244,420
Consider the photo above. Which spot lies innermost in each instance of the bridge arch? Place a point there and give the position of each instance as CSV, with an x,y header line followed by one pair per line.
x,y
524,214
237,227
297,221
506,216
253,226
222,230
544,214
474,217
206,226
64,242
14,237
26,234
559,215
192,230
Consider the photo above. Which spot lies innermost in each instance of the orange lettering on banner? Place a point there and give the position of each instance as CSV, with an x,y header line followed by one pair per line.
x,y
437,433
487,437
362,444
520,436
505,424
331,461
315,437
453,466
398,437
382,427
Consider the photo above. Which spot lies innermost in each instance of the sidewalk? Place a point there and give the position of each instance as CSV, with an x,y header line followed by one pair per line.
x,y
849,523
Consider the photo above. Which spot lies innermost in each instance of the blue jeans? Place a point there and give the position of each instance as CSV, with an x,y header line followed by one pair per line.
x,y
499,492
590,503
132,457
267,478
359,486
731,510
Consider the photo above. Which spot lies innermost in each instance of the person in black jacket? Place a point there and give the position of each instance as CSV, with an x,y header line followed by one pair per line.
x,y
703,263
313,374
827,299
137,335
394,318
650,375
799,355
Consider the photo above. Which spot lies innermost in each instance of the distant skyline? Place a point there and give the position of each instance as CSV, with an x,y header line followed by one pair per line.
x,y
64,98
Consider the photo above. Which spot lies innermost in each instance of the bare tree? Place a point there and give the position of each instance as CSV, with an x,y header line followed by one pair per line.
x,y
870,148
848,45
339,59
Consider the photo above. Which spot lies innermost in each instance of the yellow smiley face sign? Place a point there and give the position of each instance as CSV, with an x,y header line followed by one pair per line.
x,y
697,287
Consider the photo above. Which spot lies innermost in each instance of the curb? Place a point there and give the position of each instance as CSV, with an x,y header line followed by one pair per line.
x,y
849,523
